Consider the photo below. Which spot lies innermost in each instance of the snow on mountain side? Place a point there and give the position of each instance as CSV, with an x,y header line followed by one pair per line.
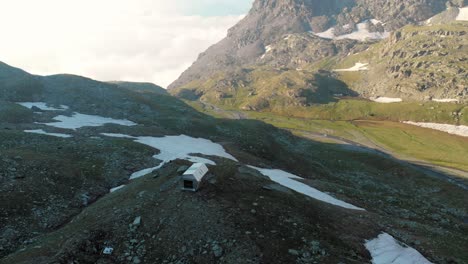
x,y
177,147
270,20
42,132
43,106
386,100
451,129
386,250
357,67
78,120
448,100
463,14
290,181
361,33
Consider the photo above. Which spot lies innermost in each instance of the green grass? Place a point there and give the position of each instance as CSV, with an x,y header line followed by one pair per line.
x,y
425,144
346,110
346,119
430,145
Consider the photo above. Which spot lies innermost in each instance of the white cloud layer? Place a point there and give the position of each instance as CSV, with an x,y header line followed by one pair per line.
x,y
134,40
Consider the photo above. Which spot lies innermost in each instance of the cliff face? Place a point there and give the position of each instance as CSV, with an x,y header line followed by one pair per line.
x,y
269,20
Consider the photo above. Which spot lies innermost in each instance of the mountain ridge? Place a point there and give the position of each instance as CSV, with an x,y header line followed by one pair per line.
x,y
269,20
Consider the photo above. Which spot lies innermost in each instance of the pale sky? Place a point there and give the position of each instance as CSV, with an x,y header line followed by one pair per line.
x,y
132,40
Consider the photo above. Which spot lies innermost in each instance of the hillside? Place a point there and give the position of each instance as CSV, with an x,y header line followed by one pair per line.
x,y
141,87
87,165
416,63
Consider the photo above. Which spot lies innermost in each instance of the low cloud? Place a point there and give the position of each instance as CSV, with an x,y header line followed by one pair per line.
x,y
139,40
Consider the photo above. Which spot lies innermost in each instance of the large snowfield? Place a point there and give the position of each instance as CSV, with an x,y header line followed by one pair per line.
x,y
451,129
77,120
177,147
386,250
290,181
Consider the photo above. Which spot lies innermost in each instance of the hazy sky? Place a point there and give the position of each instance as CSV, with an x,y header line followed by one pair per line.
x,y
134,40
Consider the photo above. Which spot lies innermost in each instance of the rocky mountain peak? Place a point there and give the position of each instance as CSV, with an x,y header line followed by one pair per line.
x,y
270,20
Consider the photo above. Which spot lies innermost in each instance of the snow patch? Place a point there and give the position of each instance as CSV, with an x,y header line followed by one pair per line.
x,y
267,49
117,135
386,250
177,147
289,180
376,21
386,100
78,120
327,34
144,172
362,33
451,129
445,100
116,188
43,106
463,14
357,67
42,132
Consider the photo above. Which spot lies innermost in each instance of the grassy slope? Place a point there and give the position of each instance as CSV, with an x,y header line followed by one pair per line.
x,y
430,145
346,110
426,144
410,141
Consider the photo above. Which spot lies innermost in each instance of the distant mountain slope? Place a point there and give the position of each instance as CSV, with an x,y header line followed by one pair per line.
x,y
18,84
415,63
141,87
86,95
269,20
296,67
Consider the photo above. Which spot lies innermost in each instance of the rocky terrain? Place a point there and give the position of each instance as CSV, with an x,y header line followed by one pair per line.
x,y
56,206
414,50
270,20
417,63
303,166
